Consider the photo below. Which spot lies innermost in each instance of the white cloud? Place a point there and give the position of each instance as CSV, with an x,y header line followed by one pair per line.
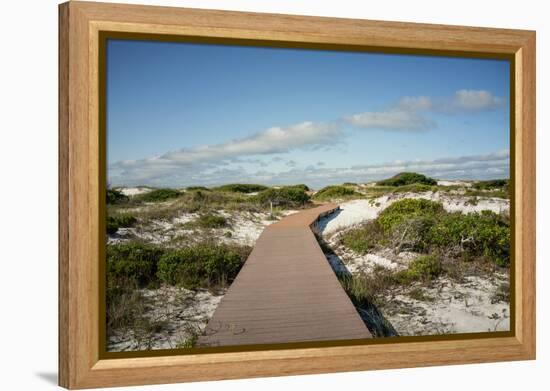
x,y
202,164
415,103
270,141
397,120
475,100
409,114
491,165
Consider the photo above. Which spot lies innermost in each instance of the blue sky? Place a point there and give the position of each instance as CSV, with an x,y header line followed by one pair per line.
x,y
182,114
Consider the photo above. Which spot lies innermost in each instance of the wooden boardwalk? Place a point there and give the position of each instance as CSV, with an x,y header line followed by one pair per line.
x,y
285,292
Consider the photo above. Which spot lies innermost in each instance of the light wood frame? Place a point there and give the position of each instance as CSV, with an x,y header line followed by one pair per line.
x,y
80,166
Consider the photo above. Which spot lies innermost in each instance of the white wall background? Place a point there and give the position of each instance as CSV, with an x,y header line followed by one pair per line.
x,y
28,195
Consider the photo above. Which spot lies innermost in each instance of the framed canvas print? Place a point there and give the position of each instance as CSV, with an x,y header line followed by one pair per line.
x,y
248,195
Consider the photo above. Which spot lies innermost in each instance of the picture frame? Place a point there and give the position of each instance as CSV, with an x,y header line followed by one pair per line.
x,y
82,164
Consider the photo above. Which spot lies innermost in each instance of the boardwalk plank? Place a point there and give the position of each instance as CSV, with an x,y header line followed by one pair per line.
x,y
285,292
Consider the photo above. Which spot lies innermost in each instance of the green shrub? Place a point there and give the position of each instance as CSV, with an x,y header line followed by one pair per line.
x,y
485,233
335,192
115,196
112,225
425,267
493,193
242,188
405,209
364,238
407,178
194,188
412,234
202,265
125,220
491,184
136,262
498,188
158,195
119,221
424,226
299,186
285,197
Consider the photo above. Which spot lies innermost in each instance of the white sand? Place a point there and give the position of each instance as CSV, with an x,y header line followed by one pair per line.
x,y
453,307
454,183
456,308
464,204
132,191
356,264
352,213
182,312
246,227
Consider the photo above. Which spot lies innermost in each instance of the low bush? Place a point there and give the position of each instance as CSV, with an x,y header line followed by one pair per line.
x,y
299,186
125,220
115,196
491,184
285,197
495,188
202,265
491,193
112,225
133,262
130,266
158,195
119,221
477,234
407,178
335,192
411,234
406,209
425,267
365,238
194,188
242,188
424,226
